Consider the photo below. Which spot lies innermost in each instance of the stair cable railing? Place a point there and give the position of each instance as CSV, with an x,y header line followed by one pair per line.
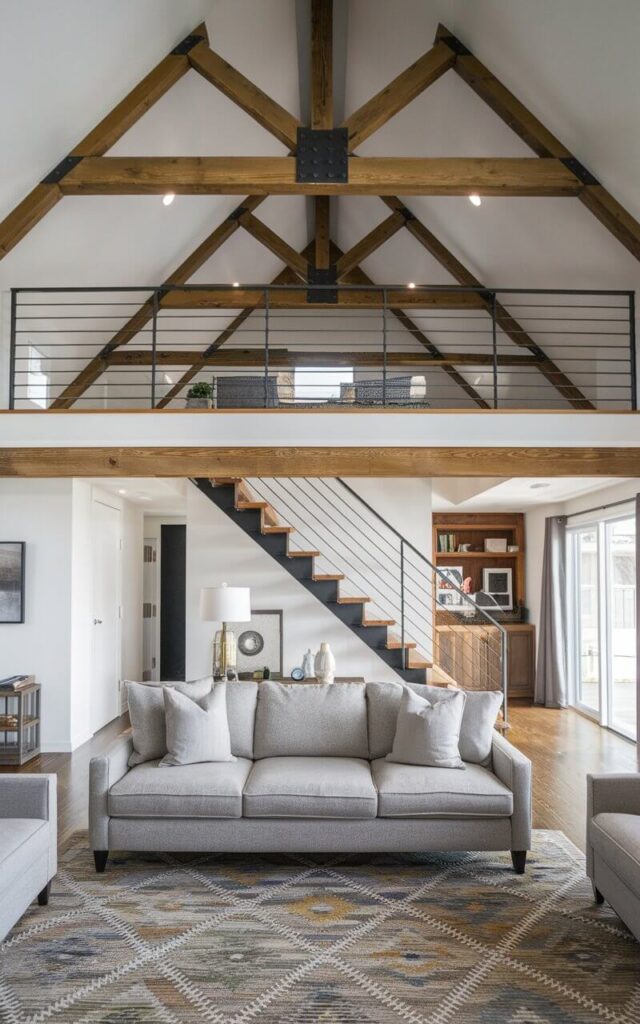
x,y
463,640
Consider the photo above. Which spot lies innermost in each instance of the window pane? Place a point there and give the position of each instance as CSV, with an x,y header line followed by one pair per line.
x,y
621,558
321,385
588,669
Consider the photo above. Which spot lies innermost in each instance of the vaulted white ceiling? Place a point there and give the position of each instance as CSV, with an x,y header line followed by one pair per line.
x,y
573,62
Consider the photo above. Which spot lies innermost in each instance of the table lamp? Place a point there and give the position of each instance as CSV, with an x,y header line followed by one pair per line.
x,y
225,604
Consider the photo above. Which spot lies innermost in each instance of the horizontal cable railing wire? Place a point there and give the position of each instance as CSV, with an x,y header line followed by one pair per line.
x,y
378,562
387,345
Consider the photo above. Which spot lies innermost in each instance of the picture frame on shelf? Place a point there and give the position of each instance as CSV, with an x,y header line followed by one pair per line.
x,y
495,545
260,643
446,596
12,558
498,584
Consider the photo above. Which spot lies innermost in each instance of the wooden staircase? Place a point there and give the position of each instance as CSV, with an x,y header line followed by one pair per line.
x,y
259,520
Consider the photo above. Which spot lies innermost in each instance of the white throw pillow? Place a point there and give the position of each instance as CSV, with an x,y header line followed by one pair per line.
x,y
428,734
197,731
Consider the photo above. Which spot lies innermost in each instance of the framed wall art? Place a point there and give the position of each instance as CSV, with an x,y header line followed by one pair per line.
x,y
12,581
259,643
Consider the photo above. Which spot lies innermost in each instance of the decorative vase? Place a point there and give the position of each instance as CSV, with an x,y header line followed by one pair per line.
x,y
307,665
325,664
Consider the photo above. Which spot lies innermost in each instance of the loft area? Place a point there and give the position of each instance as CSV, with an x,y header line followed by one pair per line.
x,y
294,347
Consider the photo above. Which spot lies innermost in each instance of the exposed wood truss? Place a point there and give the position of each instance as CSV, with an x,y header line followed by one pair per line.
x,y
554,171
125,114
331,461
276,175
597,199
281,358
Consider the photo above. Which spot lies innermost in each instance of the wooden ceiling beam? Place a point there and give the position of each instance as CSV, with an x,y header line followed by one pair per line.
x,y
445,176
322,241
544,143
283,357
245,94
234,298
505,321
322,64
44,196
142,316
376,237
275,244
398,94
374,460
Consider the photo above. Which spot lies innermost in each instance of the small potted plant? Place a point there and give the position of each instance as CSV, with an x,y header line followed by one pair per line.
x,y
200,396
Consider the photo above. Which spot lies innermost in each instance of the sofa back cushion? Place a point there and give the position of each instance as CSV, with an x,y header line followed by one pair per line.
x,y
311,720
479,716
242,696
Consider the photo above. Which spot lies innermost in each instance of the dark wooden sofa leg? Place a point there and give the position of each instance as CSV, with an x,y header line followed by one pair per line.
x,y
597,895
43,895
519,860
100,858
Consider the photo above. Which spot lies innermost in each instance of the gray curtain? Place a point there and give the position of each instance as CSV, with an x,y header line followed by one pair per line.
x,y
638,622
551,670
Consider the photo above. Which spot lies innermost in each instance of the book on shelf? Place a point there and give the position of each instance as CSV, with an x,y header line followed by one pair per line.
x,y
13,683
446,543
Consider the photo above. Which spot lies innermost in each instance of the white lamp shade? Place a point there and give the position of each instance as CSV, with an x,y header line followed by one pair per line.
x,y
225,604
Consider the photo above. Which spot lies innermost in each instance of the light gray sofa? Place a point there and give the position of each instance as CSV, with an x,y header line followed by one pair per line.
x,y
613,844
28,844
310,775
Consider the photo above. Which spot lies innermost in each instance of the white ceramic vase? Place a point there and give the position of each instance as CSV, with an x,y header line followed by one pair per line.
x,y
307,665
325,664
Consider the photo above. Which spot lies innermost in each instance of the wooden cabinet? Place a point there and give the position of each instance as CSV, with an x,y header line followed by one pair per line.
x,y
470,656
521,660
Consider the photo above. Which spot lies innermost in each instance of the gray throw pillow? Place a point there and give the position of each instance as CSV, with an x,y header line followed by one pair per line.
x,y
311,720
427,734
197,731
194,688
480,713
146,711
242,696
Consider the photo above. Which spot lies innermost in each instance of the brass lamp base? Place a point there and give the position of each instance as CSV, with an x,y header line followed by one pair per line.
x,y
225,651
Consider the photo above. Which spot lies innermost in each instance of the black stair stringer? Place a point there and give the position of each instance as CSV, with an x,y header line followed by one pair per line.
x,y
325,591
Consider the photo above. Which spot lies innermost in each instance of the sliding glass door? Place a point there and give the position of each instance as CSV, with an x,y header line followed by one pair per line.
x,y
601,595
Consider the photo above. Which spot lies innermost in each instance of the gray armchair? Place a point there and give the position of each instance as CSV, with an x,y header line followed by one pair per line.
x,y
246,392
28,844
613,844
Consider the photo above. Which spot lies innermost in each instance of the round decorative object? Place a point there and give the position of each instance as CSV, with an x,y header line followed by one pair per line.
x,y
297,674
251,642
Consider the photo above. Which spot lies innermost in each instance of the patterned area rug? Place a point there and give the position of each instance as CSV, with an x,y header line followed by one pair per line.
x,y
446,939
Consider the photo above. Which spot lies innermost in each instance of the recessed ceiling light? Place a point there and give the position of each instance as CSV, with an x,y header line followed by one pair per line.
x,y
168,379
475,199
236,284
144,497
122,490
538,487
168,198
411,284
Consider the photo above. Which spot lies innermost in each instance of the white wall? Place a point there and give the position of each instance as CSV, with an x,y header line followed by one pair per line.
x,y
54,518
219,551
39,513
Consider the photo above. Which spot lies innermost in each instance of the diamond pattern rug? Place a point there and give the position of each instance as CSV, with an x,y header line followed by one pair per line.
x,y
433,939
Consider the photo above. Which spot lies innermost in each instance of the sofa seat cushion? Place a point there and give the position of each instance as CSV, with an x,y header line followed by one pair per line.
x,y
212,790
22,842
310,787
413,791
616,838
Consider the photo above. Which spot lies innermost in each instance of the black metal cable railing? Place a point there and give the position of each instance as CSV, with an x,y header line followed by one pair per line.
x,y
403,585
421,347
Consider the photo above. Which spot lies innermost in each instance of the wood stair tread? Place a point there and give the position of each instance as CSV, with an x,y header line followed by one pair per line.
x,y
378,622
328,577
242,505
397,645
418,663
302,554
278,529
353,600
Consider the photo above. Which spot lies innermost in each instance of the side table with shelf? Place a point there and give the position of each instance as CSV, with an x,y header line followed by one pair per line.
x,y
19,723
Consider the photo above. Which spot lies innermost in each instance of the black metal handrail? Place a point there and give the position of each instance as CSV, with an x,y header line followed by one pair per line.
x,y
571,348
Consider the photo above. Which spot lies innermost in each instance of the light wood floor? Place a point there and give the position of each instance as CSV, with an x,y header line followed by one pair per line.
x,y
562,745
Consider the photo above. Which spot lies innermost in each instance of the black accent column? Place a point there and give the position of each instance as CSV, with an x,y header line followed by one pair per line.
x,y
173,588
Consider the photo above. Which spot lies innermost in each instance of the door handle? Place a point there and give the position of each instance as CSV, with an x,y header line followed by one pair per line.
x,y
97,622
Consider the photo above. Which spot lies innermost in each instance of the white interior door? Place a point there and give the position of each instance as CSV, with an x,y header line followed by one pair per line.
x,y
106,615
